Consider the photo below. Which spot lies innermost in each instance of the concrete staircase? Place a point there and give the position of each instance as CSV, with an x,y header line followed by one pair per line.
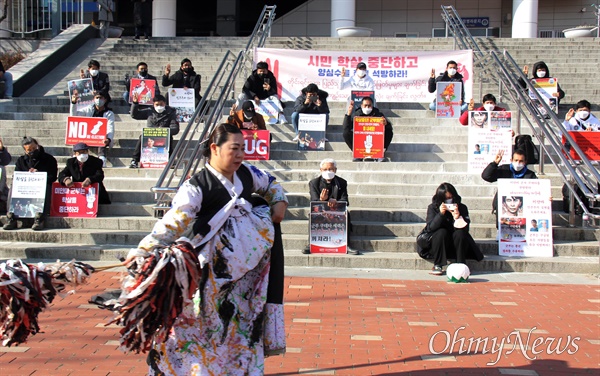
x,y
388,200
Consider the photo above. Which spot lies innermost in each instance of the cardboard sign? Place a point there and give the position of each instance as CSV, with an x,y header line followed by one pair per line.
x,y
368,137
184,102
311,130
588,142
141,91
257,145
358,95
448,97
489,132
91,130
75,202
84,89
269,109
27,194
525,218
155,147
328,228
546,87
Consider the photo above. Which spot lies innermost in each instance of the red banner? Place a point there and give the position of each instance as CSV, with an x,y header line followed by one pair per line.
x,y
91,130
257,145
588,142
368,137
76,202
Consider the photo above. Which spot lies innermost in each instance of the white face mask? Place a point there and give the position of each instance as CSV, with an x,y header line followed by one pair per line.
x,y
361,73
82,158
541,73
367,110
99,102
94,72
518,166
247,118
451,72
582,115
489,106
448,201
328,175
159,109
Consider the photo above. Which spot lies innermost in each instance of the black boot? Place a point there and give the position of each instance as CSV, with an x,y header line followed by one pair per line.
x,y
38,222
11,223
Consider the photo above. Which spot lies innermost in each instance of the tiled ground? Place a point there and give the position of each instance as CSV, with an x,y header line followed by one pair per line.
x,y
339,326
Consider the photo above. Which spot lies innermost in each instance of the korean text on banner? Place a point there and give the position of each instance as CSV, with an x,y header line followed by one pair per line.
x,y
525,218
257,144
368,137
398,76
142,91
184,102
311,131
84,89
448,99
91,130
328,227
28,193
588,142
489,132
75,202
155,147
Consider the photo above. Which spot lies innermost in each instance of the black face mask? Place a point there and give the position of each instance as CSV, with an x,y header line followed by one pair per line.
x,y
188,70
143,72
34,154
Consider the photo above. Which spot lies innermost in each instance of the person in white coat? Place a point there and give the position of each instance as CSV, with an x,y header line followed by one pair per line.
x,y
359,81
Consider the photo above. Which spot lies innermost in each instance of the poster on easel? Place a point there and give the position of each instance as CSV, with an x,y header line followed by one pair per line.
x,y
74,202
155,147
368,137
328,227
489,132
448,98
27,194
311,132
142,91
525,218
184,103
84,89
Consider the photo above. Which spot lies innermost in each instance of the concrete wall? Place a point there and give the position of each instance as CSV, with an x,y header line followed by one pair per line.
x,y
388,17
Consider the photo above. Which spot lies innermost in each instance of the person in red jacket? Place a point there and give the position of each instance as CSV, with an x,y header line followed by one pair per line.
x,y
489,104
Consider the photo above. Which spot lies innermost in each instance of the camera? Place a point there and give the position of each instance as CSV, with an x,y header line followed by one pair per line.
x,y
450,207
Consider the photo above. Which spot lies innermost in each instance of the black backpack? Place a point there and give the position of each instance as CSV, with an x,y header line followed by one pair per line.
x,y
525,143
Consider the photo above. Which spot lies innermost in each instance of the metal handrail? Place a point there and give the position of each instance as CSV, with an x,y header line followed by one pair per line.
x,y
509,75
32,16
187,156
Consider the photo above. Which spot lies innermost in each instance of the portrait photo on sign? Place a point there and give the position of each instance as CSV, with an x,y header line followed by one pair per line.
x,y
314,140
479,119
512,206
513,229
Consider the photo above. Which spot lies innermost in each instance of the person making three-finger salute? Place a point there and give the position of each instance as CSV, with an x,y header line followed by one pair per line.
x,y
366,109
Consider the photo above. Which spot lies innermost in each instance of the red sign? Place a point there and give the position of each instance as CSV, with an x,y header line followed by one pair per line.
x,y
257,145
77,202
91,130
328,228
588,142
368,137
141,91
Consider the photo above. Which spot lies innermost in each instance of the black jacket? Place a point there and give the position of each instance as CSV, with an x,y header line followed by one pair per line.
x,y
542,65
167,119
432,84
101,82
493,172
44,162
254,86
311,108
338,189
92,169
180,80
435,220
348,132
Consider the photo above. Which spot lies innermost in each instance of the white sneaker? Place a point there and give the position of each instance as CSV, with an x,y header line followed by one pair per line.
x,y
296,138
103,159
282,119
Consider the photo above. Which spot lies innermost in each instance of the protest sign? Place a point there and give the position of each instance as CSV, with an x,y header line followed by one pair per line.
x,y
27,194
257,144
142,91
358,95
328,227
269,109
84,89
489,132
588,142
75,202
90,130
368,137
546,87
448,98
311,130
184,102
525,218
155,147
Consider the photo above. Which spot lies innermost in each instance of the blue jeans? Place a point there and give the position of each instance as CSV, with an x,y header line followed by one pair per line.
x,y
296,117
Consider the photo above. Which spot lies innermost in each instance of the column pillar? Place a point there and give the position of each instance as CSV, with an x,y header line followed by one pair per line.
x,y
343,13
525,19
164,18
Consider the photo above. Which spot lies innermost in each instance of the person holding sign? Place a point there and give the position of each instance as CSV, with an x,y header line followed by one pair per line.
x,y
246,118
448,225
185,78
98,109
450,75
35,159
311,101
100,80
488,104
366,109
580,118
540,70
158,116
262,85
359,81
86,169
142,74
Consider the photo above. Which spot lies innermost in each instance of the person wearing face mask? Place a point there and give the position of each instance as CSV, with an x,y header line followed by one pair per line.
x,y
312,100
5,159
359,81
100,80
450,75
142,74
158,116
540,70
517,169
448,225
331,188
86,169
262,85
366,109
246,118
98,109
184,78
489,104
580,118
35,159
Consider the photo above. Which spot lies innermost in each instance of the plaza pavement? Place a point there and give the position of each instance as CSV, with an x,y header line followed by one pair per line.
x,y
366,322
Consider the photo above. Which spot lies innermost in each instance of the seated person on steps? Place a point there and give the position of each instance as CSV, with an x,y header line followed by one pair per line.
x,y
366,109
312,100
262,85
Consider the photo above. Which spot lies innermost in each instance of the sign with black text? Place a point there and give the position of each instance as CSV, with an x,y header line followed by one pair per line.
x,y
155,147
311,131
328,227
27,194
